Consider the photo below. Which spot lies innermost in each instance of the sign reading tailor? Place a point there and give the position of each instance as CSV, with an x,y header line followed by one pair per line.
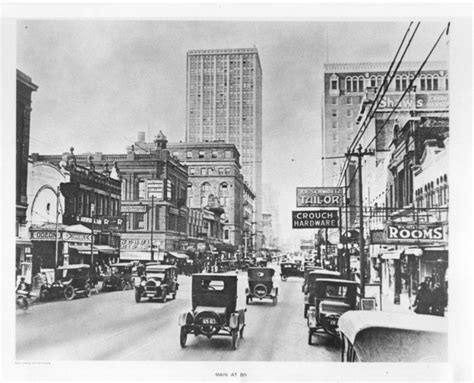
x,y
414,233
315,219
319,197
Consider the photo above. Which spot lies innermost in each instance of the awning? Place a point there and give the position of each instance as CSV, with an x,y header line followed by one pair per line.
x,y
83,249
223,247
178,255
105,249
23,242
416,251
78,229
393,254
135,255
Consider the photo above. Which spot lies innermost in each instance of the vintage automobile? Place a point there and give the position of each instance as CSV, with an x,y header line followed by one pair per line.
x,y
307,270
214,300
119,277
332,299
261,285
309,289
290,269
68,282
159,281
378,336
226,265
261,262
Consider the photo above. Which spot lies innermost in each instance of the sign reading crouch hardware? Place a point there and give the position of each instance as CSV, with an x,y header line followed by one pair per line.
x,y
414,233
315,219
319,197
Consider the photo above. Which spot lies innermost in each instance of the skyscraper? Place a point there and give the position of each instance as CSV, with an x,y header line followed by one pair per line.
x,y
224,102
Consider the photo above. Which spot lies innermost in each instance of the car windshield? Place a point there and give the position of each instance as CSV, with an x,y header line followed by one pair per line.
x,y
212,285
335,291
155,274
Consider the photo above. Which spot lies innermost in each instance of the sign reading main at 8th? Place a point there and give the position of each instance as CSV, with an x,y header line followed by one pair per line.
x,y
315,219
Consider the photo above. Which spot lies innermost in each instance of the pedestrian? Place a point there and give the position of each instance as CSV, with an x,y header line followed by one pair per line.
x,y
438,300
140,269
422,302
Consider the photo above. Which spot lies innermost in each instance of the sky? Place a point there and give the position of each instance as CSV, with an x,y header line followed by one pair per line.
x,y
100,82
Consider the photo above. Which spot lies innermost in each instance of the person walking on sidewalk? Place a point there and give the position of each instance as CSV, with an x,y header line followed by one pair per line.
x,y
439,300
423,297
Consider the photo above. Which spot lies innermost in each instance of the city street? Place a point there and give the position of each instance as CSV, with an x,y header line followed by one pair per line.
x,y
111,326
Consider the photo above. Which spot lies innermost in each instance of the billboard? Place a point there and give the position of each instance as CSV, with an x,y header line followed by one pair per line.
x,y
315,219
319,197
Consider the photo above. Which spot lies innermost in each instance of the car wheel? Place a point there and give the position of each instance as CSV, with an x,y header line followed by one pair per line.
x,y
183,336
310,337
137,296
284,278
69,293
235,338
275,300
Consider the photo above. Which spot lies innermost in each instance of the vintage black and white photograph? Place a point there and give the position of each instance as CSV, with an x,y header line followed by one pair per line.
x,y
248,190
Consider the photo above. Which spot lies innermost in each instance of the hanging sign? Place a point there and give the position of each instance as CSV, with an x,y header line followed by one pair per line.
x,y
319,197
315,219
416,233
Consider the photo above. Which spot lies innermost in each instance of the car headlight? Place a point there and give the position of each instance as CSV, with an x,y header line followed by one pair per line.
x,y
158,283
143,283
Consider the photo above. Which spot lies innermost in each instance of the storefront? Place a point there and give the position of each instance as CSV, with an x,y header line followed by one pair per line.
x,y
73,245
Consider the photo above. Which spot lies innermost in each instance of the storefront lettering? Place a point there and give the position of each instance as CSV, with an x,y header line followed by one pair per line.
x,y
434,233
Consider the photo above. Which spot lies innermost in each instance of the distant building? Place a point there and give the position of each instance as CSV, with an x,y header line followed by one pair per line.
x,y
84,201
153,199
345,87
224,102
24,89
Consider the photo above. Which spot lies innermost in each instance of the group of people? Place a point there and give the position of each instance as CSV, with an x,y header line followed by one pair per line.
x,y
431,299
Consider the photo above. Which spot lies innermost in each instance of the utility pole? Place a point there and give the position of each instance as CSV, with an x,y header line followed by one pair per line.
x,y
56,250
152,224
360,154
92,234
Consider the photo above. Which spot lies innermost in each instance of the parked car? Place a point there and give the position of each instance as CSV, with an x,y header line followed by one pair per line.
x,y
307,270
214,313
333,298
290,269
119,277
159,281
377,336
310,287
261,262
69,282
261,286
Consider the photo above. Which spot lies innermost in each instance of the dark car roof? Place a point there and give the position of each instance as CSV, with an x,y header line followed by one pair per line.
x,y
215,275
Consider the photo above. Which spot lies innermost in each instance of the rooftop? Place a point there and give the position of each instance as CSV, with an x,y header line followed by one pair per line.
x,y
382,66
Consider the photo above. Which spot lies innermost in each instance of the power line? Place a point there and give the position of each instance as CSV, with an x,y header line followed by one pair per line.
x,y
409,86
388,78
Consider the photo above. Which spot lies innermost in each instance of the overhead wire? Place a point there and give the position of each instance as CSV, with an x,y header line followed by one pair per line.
x,y
388,78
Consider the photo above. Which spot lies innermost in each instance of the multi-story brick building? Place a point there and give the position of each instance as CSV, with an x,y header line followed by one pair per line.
x,y
24,89
224,102
153,198
345,86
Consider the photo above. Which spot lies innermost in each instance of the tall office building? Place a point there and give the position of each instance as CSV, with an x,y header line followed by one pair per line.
x,y
345,85
224,102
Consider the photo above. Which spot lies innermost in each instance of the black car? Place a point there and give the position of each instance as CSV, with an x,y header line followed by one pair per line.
x,y
69,282
333,298
159,281
214,313
310,287
261,284
290,269
119,277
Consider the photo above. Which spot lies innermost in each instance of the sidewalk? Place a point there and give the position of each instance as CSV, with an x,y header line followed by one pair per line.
x,y
389,306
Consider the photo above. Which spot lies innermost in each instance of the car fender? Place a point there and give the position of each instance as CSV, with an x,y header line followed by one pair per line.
x,y
312,318
186,319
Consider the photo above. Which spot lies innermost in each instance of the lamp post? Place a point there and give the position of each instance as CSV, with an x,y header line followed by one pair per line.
x,y
152,224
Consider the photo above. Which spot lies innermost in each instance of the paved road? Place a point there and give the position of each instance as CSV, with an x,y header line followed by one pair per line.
x,y
111,326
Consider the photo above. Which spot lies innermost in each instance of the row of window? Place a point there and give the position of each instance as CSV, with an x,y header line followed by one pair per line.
x,y
433,194
349,124
211,171
103,205
349,113
356,84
